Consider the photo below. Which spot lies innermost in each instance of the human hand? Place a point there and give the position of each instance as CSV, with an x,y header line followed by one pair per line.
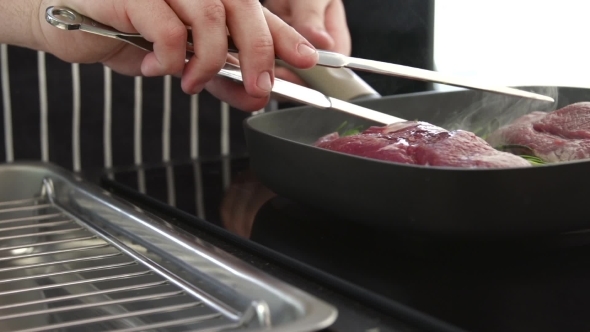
x,y
322,22
257,33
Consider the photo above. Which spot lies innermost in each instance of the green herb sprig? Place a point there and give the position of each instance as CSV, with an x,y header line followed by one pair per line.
x,y
348,132
535,161
522,151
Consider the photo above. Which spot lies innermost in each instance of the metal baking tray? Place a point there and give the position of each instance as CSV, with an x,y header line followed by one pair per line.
x,y
73,257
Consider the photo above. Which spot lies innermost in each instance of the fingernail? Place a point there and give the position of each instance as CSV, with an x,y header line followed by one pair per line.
x,y
264,82
305,50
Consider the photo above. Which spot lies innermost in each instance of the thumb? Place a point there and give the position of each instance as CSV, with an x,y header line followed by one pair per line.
x,y
308,18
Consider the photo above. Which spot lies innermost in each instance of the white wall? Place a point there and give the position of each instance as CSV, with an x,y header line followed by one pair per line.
x,y
518,42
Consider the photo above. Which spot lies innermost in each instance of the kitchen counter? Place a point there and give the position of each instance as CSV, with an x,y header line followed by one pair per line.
x,y
510,285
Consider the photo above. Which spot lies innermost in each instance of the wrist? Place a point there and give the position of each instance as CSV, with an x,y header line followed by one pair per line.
x,y
20,23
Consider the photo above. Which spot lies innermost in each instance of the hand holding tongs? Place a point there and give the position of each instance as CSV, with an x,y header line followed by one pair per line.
x,y
68,19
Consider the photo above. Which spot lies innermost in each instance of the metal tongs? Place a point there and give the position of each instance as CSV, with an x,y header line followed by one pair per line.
x,y
68,19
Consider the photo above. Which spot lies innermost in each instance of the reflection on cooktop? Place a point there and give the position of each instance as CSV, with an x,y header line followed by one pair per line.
x,y
509,285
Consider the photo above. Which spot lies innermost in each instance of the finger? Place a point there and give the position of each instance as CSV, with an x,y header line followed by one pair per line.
x,y
168,36
235,95
337,27
247,26
307,17
207,21
232,58
126,61
289,45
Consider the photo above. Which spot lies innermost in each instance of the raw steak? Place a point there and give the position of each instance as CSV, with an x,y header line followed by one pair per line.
x,y
421,143
561,135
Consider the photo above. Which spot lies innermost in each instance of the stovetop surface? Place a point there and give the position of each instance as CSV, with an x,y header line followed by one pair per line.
x,y
528,284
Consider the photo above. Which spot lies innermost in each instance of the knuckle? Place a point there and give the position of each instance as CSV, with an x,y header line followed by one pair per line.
x,y
173,37
175,34
214,13
169,54
263,45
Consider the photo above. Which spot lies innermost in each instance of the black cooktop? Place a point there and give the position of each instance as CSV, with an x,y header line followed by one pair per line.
x,y
526,284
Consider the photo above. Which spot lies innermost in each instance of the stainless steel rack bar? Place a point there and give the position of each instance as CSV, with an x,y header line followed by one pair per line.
x,y
72,257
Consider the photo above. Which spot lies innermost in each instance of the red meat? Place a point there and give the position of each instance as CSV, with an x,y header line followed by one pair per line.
x,y
421,143
562,135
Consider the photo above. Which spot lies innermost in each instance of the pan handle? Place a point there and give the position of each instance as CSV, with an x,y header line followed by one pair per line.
x,y
339,83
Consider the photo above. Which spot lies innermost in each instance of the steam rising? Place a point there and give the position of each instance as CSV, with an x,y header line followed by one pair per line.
x,y
493,111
